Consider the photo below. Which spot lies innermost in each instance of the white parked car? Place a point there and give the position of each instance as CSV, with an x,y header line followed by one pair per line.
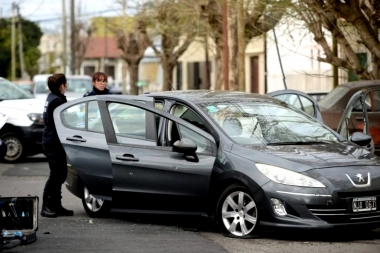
x,y
78,86
23,129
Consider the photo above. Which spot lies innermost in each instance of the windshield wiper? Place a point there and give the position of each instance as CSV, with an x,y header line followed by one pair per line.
x,y
297,143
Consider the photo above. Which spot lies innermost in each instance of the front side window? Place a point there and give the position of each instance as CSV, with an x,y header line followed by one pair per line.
x,y
177,132
128,121
308,106
185,113
299,102
258,123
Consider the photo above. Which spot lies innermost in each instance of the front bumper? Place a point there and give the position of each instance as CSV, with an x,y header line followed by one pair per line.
x,y
315,208
72,180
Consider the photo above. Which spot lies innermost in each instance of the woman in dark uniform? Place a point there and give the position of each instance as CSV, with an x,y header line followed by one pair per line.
x,y
51,205
99,83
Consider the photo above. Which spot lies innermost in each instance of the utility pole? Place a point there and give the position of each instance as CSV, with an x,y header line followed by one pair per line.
x,y
13,43
20,44
125,71
64,34
335,53
72,42
105,46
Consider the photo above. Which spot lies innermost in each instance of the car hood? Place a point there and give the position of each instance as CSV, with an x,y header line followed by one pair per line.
x,y
31,105
305,157
349,179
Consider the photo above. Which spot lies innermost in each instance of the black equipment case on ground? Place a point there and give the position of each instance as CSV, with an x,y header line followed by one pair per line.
x,y
19,218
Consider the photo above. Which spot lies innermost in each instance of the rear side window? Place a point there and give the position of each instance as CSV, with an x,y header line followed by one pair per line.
x,y
74,116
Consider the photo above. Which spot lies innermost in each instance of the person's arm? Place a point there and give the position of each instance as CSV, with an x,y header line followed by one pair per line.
x,y
52,106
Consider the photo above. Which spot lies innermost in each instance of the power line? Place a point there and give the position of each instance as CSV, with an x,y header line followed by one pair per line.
x,y
79,16
35,9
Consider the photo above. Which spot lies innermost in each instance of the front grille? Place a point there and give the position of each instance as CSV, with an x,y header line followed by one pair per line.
x,y
358,194
342,213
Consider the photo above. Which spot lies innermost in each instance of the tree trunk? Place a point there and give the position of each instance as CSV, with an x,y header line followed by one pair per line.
x,y
168,68
133,69
241,45
219,65
233,76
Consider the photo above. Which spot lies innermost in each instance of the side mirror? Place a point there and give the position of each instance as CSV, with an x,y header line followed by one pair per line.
x,y
361,139
188,148
185,146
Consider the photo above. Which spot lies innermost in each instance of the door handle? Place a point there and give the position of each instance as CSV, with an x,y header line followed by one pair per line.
x,y
359,118
76,138
127,157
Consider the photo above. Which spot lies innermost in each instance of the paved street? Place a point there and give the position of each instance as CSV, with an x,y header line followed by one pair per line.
x,y
153,233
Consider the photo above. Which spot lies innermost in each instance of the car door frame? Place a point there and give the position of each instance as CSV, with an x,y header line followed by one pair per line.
x,y
80,138
120,190
317,113
358,96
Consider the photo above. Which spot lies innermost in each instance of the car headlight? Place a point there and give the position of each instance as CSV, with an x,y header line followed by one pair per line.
x,y
284,176
36,117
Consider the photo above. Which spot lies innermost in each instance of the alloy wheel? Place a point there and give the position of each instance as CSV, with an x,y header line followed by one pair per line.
x,y
14,148
92,203
239,213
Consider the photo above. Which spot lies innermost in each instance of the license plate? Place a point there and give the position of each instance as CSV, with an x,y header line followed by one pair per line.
x,y
364,204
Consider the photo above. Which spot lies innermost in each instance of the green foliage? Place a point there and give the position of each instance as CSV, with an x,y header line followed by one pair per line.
x,y
30,62
32,34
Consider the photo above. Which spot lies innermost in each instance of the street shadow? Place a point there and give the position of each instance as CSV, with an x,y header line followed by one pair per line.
x,y
205,224
35,159
185,222
330,235
29,159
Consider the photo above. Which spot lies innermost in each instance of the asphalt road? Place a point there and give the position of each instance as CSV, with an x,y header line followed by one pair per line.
x,y
154,233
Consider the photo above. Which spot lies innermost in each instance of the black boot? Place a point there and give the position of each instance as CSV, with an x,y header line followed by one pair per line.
x,y
48,208
61,211
48,211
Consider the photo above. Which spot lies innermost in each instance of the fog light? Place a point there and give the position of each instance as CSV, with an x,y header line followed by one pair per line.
x,y
278,207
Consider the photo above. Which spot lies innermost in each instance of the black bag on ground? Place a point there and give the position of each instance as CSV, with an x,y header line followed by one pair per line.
x,y
19,218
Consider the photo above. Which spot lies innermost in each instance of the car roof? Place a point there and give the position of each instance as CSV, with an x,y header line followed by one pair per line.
x,y
200,96
361,84
78,76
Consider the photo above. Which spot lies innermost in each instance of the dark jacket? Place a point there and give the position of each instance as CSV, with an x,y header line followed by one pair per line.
x,y
96,92
50,132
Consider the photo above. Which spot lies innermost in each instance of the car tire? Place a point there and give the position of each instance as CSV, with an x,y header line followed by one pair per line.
x,y
94,207
15,148
237,213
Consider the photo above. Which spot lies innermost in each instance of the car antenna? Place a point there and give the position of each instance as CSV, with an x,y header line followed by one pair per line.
x,y
278,52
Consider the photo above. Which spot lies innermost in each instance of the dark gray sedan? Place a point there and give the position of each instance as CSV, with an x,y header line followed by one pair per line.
x,y
247,160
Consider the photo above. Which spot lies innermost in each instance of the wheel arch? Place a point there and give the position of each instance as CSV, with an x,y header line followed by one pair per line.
x,y
9,128
225,181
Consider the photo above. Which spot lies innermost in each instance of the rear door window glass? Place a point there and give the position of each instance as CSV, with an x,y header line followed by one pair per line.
x,y
128,121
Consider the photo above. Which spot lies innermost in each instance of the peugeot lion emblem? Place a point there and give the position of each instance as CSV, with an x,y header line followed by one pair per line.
x,y
360,179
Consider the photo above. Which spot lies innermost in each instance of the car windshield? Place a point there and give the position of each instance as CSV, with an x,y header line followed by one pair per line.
x,y
79,85
257,123
9,91
332,97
